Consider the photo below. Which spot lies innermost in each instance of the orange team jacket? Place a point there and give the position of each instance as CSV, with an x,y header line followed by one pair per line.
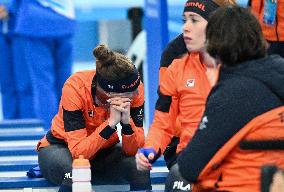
x,y
276,31
184,87
79,121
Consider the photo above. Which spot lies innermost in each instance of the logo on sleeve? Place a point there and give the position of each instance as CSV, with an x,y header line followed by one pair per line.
x,y
190,83
91,113
203,123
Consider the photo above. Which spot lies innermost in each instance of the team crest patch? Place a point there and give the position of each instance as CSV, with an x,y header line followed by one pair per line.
x,y
190,83
91,113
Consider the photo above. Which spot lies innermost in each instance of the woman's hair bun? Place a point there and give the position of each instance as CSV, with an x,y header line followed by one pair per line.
x,y
104,55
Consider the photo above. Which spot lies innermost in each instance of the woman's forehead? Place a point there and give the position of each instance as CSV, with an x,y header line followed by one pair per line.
x,y
126,94
121,94
191,14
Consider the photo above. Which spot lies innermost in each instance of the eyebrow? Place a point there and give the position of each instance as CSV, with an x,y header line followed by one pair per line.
x,y
191,15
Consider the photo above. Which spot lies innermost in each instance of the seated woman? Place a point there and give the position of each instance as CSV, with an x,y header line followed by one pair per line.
x,y
92,104
244,111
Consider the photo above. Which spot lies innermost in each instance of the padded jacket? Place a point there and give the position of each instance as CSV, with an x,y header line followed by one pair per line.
x,y
241,129
83,126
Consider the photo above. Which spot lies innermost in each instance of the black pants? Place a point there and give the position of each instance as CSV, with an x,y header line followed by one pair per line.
x,y
110,166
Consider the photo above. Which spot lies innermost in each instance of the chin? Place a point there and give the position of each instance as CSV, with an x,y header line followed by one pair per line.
x,y
192,49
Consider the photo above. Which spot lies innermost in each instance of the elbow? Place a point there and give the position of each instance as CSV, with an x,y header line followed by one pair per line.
x,y
131,152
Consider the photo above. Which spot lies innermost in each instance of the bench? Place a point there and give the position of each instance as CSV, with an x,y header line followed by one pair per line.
x,y
15,175
17,154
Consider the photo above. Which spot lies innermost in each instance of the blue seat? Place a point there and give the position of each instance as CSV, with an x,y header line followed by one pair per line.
x,y
24,136
21,129
20,123
17,165
23,182
25,165
14,135
18,151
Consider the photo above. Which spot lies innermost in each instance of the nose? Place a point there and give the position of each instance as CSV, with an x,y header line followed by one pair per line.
x,y
186,26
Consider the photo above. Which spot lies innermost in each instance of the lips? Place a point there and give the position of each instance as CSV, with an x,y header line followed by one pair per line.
x,y
187,39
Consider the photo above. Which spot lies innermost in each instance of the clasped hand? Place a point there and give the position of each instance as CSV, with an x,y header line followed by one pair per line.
x,y
119,110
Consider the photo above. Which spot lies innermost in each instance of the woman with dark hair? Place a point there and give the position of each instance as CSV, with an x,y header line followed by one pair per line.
x,y
92,104
242,126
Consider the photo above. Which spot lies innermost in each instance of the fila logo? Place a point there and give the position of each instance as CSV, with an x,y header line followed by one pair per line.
x,y
203,123
110,86
190,83
179,185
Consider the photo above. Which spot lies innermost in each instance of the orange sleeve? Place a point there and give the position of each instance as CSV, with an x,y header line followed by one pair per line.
x,y
131,143
78,141
175,122
163,126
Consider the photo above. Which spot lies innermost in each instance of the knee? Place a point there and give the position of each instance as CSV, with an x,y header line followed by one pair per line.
x,y
175,182
130,163
56,167
133,171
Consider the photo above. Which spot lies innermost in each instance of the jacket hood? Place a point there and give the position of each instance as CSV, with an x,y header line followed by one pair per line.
x,y
268,70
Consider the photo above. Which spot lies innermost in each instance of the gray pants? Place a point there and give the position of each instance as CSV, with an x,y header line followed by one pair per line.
x,y
110,166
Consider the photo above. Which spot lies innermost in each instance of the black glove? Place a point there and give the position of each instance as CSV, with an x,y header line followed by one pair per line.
x,y
175,182
174,49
